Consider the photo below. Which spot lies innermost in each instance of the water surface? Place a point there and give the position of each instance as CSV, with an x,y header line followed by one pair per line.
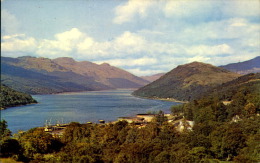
x,y
80,107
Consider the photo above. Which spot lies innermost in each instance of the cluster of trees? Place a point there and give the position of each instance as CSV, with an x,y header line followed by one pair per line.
x,y
123,142
10,97
243,99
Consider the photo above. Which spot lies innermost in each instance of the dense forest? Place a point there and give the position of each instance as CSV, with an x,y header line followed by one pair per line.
x,y
222,132
10,97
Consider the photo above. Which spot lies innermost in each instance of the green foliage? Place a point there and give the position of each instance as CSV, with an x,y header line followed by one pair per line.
x,y
10,97
4,131
9,147
36,141
160,118
123,142
177,109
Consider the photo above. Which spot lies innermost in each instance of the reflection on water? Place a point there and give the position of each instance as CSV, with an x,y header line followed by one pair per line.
x,y
80,107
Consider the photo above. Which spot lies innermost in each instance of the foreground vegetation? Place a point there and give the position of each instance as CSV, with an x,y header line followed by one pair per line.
x,y
221,132
121,142
10,97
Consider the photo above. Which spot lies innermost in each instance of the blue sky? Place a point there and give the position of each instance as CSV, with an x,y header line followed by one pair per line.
x,y
143,37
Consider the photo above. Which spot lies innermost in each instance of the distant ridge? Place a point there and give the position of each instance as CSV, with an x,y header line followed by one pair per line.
x,y
246,67
152,78
186,82
108,75
43,76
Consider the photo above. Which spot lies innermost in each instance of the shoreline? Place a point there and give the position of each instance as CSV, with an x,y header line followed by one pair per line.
x,y
18,105
73,92
162,99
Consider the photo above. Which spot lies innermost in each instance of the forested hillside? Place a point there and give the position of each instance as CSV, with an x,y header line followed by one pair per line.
x,y
10,97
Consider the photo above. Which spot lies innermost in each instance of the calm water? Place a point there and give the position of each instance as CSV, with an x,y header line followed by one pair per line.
x,y
80,107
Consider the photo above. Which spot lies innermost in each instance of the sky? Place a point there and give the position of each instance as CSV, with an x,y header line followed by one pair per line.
x,y
144,37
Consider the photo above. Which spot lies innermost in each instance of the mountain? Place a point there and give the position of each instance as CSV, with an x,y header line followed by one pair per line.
x,y
152,78
186,82
10,98
104,73
43,76
246,67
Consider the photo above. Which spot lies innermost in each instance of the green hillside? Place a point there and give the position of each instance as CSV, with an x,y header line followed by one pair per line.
x,y
238,97
186,82
10,98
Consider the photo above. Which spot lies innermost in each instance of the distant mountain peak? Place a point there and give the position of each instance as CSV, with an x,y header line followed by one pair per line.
x,y
65,60
197,65
24,57
105,64
246,67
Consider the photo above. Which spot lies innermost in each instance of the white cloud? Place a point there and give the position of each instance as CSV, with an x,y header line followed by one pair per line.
x,y
123,45
242,8
69,36
18,43
209,50
141,72
8,37
128,11
65,42
180,8
199,58
86,44
144,61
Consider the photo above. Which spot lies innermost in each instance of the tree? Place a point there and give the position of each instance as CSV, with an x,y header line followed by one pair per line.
x,y
4,131
160,118
251,152
9,146
177,109
233,141
250,109
37,141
